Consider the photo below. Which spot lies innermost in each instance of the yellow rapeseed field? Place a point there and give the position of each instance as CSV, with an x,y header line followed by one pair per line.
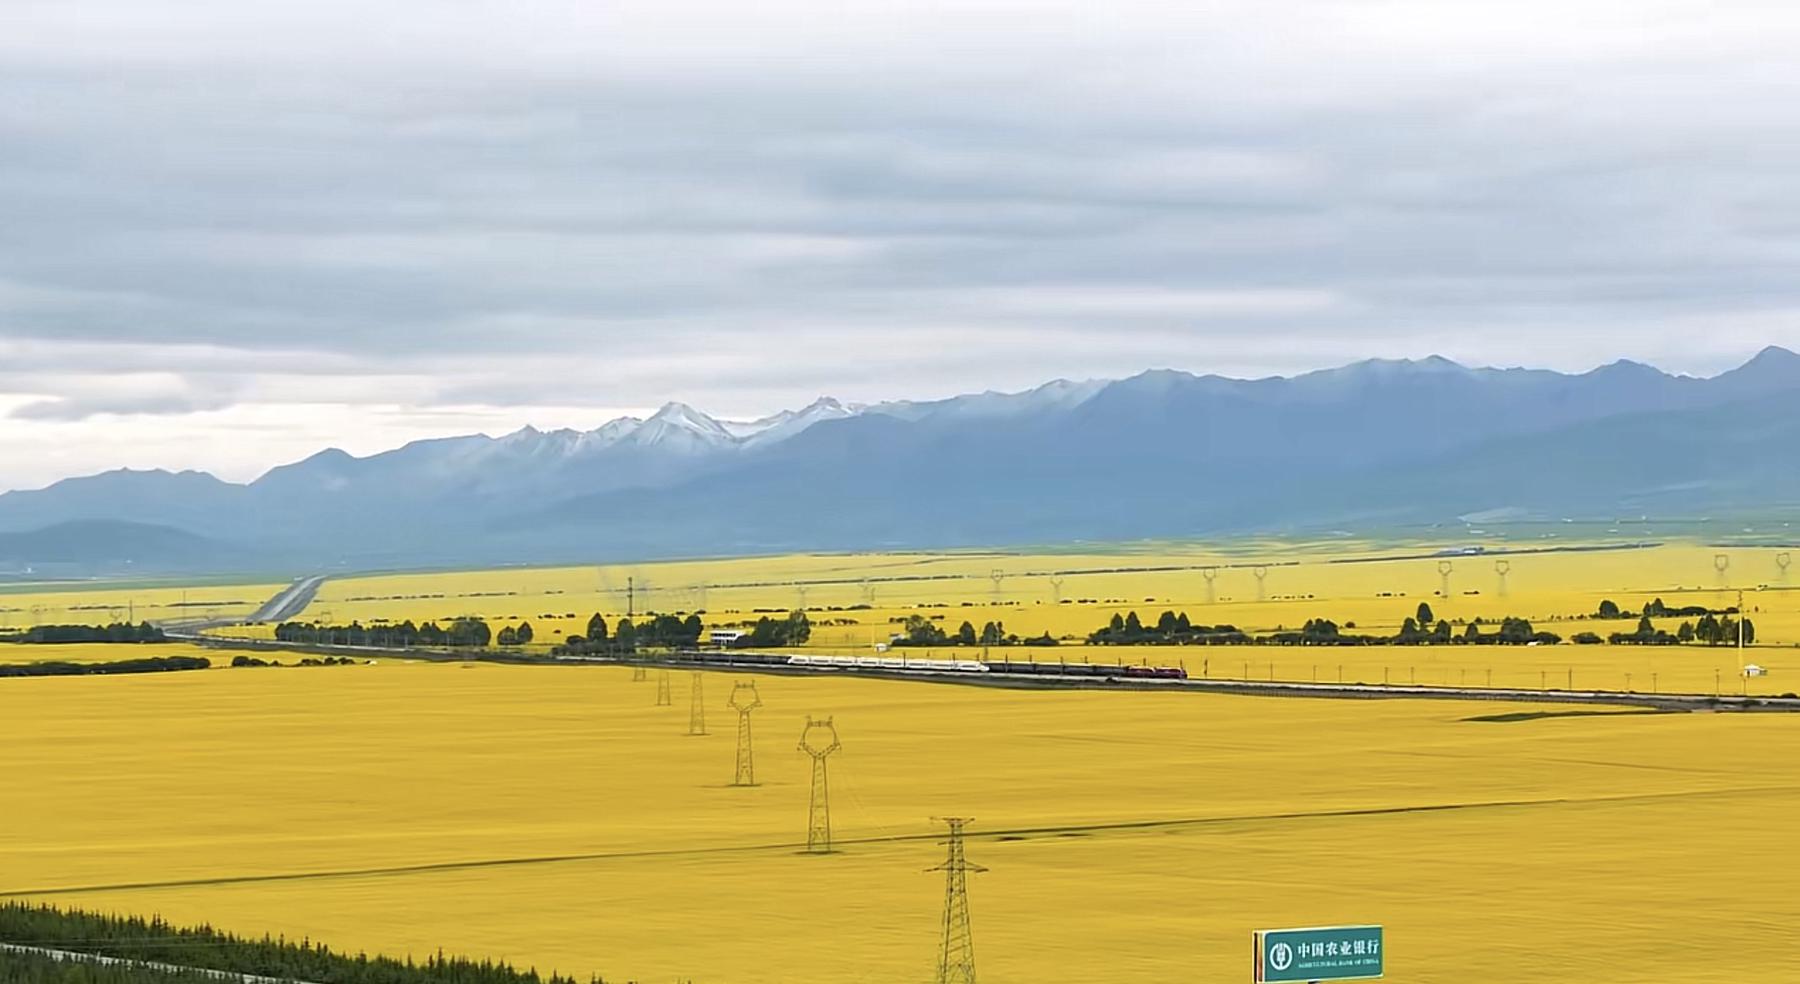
x,y
554,816
1070,594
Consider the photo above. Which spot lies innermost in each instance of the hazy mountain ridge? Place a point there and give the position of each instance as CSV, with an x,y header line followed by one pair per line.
x,y
1162,453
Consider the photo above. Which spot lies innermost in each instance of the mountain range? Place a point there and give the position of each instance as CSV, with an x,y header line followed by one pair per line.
x,y
1160,454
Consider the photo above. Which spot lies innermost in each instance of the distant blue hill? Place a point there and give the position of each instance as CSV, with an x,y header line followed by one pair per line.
x,y
1161,454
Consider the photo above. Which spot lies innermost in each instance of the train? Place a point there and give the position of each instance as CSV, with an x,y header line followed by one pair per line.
x,y
904,664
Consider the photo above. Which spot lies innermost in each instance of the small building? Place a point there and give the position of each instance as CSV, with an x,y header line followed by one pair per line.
x,y
725,637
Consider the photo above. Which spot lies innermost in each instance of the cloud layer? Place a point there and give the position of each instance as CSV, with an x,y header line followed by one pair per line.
x,y
238,231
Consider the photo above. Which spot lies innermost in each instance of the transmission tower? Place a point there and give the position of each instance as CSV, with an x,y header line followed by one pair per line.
x,y
1212,589
1502,568
662,689
639,674
744,699
1262,575
819,739
996,575
868,592
1056,583
696,706
800,590
699,591
1782,560
631,597
1444,569
956,957
1721,564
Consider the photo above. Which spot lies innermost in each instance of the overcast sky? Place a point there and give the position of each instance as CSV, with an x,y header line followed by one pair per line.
x,y
234,233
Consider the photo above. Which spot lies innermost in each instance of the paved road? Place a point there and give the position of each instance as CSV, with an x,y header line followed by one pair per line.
x,y
72,956
290,602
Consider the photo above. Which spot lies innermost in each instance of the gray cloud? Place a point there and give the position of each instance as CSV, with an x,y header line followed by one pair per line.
x,y
560,204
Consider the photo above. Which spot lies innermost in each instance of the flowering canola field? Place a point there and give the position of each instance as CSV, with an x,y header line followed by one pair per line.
x,y
1373,587
555,816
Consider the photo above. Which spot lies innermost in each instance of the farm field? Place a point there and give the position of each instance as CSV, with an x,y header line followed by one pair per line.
x,y
82,652
1374,587
554,816
88,603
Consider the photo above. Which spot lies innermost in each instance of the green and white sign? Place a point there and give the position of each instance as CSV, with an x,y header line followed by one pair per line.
x,y
1325,953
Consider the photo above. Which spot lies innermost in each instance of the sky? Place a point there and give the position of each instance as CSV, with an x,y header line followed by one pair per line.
x,y
232,234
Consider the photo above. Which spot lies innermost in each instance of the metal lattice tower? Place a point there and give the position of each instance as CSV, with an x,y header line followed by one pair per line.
x,y
631,597
868,592
956,955
997,576
662,689
819,739
1502,568
1782,560
744,699
639,674
696,706
1262,575
699,591
1056,583
1212,589
1444,569
1721,564
800,590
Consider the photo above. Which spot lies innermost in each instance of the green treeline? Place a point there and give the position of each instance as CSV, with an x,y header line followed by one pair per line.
x,y
36,968
205,948
49,635
653,631
1175,629
461,632
921,631
149,664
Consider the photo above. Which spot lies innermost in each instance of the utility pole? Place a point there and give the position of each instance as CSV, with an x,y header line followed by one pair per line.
x,y
696,706
631,597
819,739
744,699
956,955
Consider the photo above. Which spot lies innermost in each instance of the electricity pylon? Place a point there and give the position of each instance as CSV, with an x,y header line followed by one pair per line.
x,y
1444,569
996,575
696,707
1056,583
1782,560
639,674
1721,564
1212,590
868,593
956,956
662,689
800,590
1261,574
744,699
1502,567
818,819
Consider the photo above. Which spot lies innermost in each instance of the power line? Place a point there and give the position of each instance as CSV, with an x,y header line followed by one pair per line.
x,y
744,699
813,742
696,705
956,955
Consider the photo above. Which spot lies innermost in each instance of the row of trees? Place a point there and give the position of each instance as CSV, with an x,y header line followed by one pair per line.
x,y
123,632
37,968
133,938
792,629
1656,609
921,631
1174,628
1710,630
655,632
1170,629
473,632
149,664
